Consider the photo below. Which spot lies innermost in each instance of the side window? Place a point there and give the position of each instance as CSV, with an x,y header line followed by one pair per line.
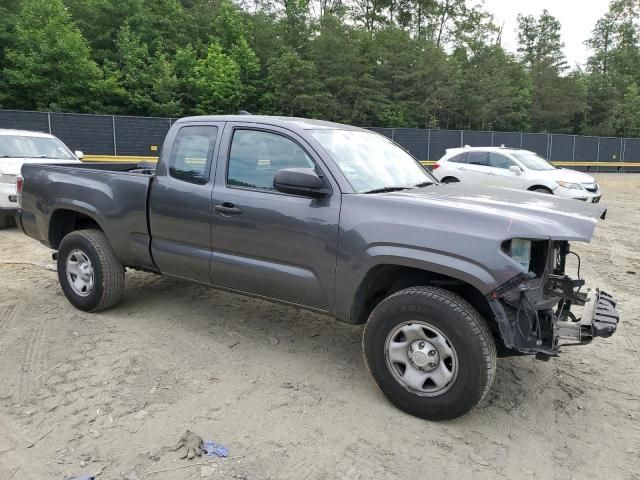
x,y
256,156
462,158
499,161
478,158
191,150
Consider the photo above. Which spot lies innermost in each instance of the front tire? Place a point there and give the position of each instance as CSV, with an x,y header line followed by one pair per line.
x,y
430,352
91,276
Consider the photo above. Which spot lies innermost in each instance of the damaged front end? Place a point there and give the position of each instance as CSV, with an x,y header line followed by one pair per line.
x,y
533,310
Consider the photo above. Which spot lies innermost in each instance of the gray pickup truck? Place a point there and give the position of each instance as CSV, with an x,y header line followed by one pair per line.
x,y
341,221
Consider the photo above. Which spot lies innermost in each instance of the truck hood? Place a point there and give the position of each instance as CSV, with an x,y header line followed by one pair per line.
x,y
12,166
515,211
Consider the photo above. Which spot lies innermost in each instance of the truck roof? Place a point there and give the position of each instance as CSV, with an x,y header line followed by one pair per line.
x,y
301,123
23,133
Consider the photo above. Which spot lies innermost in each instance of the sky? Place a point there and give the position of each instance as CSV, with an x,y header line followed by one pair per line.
x,y
578,17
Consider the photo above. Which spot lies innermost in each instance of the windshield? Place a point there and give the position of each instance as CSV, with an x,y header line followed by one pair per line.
x,y
20,146
372,162
533,161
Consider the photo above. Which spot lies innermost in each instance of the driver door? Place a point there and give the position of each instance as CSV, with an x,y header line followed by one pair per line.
x,y
265,242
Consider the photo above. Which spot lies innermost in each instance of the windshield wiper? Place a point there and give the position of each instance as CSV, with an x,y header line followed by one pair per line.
x,y
386,189
423,184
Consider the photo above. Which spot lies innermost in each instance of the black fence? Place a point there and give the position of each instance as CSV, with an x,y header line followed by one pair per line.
x,y
603,153
143,136
95,134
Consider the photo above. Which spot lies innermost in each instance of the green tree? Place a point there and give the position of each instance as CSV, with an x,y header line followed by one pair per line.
x,y
614,66
49,65
402,63
217,77
539,42
148,83
293,87
247,61
100,21
229,25
344,64
556,99
161,24
434,84
494,91
625,117
187,93
295,24
8,17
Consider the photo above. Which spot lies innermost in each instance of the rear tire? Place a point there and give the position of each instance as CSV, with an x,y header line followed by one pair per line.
x,y
91,275
450,333
6,221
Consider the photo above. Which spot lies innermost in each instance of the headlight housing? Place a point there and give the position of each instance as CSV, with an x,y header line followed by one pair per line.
x,y
6,178
570,186
531,255
520,251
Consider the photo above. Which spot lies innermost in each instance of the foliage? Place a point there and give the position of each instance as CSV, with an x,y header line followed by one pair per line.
x,y
401,63
217,78
49,65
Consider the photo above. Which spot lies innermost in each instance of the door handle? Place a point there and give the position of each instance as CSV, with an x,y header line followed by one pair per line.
x,y
462,168
227,208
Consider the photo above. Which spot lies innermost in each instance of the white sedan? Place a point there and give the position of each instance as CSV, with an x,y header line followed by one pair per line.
x,y
514,168
18,147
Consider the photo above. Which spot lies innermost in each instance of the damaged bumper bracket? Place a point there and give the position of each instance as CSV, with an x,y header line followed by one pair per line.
x,y
600,319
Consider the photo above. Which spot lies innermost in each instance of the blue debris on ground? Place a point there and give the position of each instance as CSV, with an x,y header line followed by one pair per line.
x,y
213,449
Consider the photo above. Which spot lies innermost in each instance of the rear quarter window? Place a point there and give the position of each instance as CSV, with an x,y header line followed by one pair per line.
x,y
460,158
192,149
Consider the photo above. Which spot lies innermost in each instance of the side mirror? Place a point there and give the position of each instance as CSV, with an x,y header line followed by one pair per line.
x,y
79,155
515,169
300,181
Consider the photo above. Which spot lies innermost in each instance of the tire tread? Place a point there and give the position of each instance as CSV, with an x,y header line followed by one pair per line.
x,y
110,266
474,321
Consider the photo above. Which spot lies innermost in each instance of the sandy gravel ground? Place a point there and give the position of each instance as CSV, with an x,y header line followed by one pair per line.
x,y
287,391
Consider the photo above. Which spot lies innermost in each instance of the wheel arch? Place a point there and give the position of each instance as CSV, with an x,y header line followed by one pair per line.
x,y
64,220
536,186
386,278
450,179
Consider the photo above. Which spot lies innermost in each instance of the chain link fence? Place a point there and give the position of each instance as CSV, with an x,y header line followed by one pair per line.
x,y
114,135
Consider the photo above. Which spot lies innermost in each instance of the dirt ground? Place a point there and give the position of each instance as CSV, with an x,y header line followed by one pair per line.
x,y
287,391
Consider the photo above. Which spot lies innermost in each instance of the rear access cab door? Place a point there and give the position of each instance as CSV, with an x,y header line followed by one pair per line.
x,y
180,200
475,169
266,242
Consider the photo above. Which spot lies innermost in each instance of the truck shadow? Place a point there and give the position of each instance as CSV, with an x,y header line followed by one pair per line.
x,y
319,343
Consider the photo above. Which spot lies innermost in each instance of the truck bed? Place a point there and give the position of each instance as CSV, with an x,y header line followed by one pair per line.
x,y
114,194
